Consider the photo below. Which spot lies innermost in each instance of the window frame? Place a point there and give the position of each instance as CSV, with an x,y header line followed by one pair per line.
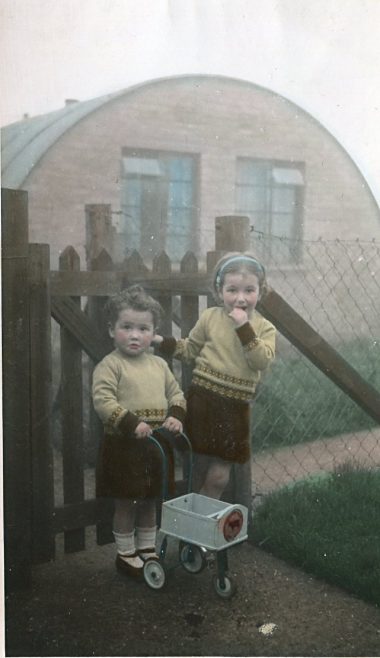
x,y
296,229
191,242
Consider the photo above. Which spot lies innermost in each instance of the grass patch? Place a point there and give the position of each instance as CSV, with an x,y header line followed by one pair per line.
x,y
328,526
297,403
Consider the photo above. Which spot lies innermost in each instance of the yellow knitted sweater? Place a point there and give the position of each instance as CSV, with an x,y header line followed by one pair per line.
x,y
228,360
127,390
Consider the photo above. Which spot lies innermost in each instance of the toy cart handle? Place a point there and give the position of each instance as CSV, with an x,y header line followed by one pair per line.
x,y
165,488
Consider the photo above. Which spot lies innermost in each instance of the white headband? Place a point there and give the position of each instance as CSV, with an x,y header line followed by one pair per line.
x,y
248,259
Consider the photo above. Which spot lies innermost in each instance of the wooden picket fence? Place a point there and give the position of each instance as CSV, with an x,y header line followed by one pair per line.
x,y
32,295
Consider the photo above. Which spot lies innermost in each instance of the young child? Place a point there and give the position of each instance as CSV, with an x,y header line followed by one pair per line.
x,y
231,345
134,392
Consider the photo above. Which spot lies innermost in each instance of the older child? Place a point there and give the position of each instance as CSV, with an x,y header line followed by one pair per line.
x,y
231,345
134,392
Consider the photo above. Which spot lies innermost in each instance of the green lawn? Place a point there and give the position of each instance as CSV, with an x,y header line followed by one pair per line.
x,y
328,526
298,403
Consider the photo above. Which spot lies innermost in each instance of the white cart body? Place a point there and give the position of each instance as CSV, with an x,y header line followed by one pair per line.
x,y
203,521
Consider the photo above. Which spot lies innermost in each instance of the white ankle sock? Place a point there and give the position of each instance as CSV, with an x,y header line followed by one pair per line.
x,y
125,542
145,538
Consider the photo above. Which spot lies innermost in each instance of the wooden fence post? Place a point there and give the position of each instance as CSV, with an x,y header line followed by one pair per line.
x,y
189,312
72,415
101,263
232,234
189,316
95,308
162,267
99,231
43,540
16,386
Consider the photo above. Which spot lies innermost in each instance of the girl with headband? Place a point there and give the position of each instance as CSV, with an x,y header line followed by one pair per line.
x,y
230,346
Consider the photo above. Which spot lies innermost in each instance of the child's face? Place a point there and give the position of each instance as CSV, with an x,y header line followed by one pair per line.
x,y
240,290
133,331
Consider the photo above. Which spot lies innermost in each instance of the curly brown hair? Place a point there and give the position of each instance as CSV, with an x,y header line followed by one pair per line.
x,y
136,298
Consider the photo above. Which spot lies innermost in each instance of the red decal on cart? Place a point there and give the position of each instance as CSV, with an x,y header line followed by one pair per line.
x,y
232,525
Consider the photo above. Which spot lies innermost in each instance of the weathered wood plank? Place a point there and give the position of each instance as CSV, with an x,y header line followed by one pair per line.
x,y
69,315
99,229
16,372
212,259
95,311
74,516
189,312
72,416
103,284
43,543
92,512
189,316
162,268
319,352
133,266
232,233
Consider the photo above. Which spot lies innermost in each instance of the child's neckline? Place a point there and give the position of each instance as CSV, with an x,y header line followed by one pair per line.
x,y
128,357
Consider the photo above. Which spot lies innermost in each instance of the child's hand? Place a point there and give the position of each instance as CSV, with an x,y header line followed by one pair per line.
x,y
173,424
143,430
157,339
239,316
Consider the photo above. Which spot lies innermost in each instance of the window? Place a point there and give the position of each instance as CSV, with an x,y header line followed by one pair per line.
x,y
271,193
159,210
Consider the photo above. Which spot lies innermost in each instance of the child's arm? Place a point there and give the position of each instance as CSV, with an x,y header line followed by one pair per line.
x,y
184,349
259,348
176,403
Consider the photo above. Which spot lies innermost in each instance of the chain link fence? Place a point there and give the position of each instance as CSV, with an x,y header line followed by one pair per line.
x,y
303,424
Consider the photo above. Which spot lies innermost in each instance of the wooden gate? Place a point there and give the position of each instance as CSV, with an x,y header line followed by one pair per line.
x,y
32,294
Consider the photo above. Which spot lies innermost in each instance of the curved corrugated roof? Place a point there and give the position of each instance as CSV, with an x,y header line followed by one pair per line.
x,y
25,142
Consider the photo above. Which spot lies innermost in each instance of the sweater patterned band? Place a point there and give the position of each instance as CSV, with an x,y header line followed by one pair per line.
x,y
233,259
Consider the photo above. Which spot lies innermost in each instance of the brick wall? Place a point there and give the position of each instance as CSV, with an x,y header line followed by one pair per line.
x,y
219,119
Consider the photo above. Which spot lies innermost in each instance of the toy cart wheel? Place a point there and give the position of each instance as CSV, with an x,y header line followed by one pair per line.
x,y
225,592
192,558
154,574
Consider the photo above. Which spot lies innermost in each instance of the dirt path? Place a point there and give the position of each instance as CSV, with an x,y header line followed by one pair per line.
x,y
273,469
79,606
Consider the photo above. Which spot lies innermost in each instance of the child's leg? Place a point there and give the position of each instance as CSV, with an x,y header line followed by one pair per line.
x,y
124,515
146,529
217,478
124,532
201,465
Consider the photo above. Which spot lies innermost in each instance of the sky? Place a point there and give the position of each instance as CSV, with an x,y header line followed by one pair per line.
x,y
324,56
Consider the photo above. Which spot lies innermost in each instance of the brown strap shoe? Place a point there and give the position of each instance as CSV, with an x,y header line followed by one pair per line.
x,y
126,568
148,554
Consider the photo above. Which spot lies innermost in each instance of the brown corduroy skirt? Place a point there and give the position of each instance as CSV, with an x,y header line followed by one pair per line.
x,y
218,426
128,467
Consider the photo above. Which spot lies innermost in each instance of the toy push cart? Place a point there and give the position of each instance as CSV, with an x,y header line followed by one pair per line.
x,y
206,527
